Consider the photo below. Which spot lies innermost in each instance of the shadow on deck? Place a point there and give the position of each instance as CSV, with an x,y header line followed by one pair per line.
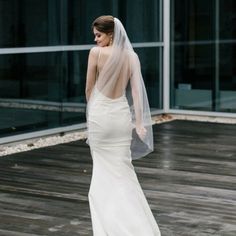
x,y
189,181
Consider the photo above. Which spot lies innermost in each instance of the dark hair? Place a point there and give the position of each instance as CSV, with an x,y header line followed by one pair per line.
x,y
104,24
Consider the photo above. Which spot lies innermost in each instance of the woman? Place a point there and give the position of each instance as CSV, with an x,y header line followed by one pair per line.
x,y
119,130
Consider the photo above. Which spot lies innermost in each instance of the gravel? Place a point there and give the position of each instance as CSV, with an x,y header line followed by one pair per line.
x,y
28,145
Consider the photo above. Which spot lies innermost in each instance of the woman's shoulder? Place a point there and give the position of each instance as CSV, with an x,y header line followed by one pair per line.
x,y
134,54
94,50
131,53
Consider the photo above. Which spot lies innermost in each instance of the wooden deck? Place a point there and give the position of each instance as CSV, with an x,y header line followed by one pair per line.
x,y
189,181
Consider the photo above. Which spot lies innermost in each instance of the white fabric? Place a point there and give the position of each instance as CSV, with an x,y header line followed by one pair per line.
x,y
117,203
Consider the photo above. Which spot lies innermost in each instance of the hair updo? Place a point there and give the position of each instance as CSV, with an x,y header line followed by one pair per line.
x,y
104,24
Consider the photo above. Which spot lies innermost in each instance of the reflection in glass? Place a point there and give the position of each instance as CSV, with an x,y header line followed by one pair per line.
x,y
227,20
48,88
58,22
142,20
194,77
192,20
227,78
151,64
203,55
227,56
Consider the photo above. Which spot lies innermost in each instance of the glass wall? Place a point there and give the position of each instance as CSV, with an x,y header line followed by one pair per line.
x,y
203,68
44,88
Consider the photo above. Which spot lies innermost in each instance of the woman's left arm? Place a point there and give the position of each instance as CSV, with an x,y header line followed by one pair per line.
x,y
91,71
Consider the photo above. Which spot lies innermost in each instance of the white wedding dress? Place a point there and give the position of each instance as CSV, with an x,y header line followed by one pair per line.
x,y
117,203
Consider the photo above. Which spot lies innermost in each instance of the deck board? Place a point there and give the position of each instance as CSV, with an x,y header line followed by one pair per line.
x,y
189,181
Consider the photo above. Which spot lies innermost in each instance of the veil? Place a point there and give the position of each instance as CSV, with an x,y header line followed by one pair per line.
x,y
121,74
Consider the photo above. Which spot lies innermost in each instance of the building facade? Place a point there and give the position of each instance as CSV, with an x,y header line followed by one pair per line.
x,y
186,49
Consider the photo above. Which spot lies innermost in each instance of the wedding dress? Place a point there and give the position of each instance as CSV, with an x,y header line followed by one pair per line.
x,y
117,203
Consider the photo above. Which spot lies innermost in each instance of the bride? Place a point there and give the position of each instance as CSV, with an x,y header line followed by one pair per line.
x,y
119,130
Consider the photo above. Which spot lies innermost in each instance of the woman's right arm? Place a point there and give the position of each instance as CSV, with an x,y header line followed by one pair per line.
x,y
91,71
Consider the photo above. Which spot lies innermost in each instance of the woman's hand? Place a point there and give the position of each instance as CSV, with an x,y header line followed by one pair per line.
x,y
141,131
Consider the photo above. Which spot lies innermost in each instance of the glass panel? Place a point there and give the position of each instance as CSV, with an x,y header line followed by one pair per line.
x,y
31,76
202,55
227,84
19,120
144,28
39,87
227,56
143,20
192,20
78,16
151,64
227,19
193,77
29,23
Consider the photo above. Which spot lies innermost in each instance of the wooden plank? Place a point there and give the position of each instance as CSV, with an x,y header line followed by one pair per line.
x,y
189,181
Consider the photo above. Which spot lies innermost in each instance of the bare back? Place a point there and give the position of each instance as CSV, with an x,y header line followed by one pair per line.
x,y
121,75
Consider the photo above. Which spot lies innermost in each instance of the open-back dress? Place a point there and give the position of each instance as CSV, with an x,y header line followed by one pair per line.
x,y
118,205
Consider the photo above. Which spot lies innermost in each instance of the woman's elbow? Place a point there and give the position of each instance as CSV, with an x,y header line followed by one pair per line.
x,y
87,93
135,93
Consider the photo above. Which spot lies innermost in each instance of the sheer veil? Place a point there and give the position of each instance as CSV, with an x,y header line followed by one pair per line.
x,y
121,74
